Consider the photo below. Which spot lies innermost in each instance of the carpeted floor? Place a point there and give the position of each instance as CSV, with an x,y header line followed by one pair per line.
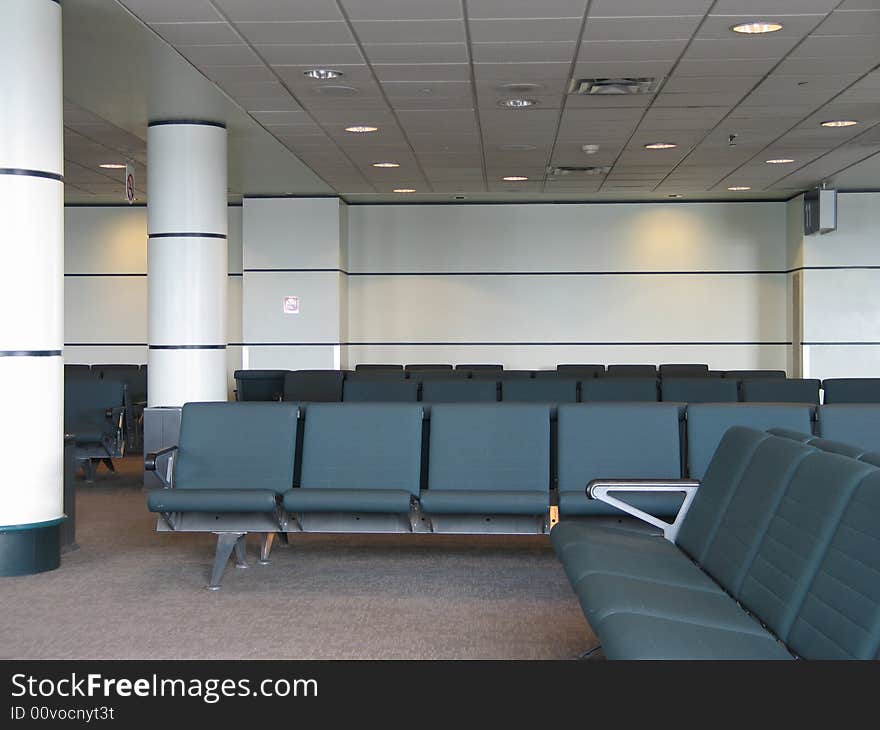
x,y
129,592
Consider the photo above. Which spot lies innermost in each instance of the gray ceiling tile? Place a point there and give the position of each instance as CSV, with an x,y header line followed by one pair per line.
x,y
708,67
402,9
520,73
850,23
272,10
162,11
823,65
236,74
624,8
543,30
270,104
410,31
714,84
422,72
422,89
765,7
744,47
416,53
640,29
220,55
292,33
531,52
197,33
866,46
630,50
526,8
315,55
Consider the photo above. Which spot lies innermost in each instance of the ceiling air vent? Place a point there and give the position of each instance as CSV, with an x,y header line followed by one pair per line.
x,y
578,171
588,87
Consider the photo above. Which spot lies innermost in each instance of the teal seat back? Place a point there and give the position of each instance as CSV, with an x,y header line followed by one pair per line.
x,y
505,446
259,385
851,390
840,616
559,390
778,390
854,424
386,391
707,423
362,446
698,390
797,538
619,389
86,402
236,446
459,391
617,441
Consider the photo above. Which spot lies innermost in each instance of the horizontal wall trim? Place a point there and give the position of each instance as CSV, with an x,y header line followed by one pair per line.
x,y
187,347
31,173
847,344
585,343
187,235
190,122
30,353
295,196
110,274
532,201
105,344
294,271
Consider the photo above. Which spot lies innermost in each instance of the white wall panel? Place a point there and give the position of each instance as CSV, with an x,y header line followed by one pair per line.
x,y
844,305
265,320
291,357
854,243
105,309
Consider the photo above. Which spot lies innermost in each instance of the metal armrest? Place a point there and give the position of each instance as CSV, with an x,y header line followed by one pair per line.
x,y
602,490
150,465
150,459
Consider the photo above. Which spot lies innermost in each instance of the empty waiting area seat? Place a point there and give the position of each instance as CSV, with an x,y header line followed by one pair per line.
x,y
778,390
559,390
488,460
502,375
580,371
708,422
313,386
359,458
94,413
423,375
397,374
683,370
618,441
459,391
632,371
259,385
427,366
851,390
619,389
750,374
483,366
698,390
775,558
376,366
363,391
231,458
857,424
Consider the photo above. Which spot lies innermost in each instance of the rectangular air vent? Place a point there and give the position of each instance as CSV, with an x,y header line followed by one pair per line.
x,y
618,86
579,171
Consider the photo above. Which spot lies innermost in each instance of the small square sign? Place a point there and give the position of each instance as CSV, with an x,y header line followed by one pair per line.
x,y
291,305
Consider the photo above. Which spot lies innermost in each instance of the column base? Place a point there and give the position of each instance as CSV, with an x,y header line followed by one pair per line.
x,y
29,550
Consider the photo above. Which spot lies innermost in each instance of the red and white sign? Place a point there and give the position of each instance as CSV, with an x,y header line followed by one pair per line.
x,y
129,183
290,305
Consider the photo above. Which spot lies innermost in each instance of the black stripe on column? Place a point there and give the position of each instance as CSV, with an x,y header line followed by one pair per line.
x,y
187,347
30,353
187,235
194,122
31,173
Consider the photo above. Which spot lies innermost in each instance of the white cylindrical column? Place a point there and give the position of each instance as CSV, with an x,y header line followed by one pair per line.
x,y
187,261
31,286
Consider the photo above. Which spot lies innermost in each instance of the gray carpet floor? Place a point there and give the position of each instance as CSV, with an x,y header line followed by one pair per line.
x,y
129,592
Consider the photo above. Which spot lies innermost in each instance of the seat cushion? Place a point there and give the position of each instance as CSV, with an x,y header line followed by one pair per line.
x,y
659,505
347,500
211,500
637,636
491,501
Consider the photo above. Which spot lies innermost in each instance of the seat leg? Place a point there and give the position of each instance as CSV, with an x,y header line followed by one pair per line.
x,y
266,548
593,653
226,543
282,539
109,464
241,552
88,468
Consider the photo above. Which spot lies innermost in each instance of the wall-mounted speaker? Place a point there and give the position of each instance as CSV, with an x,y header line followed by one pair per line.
x,y
820,211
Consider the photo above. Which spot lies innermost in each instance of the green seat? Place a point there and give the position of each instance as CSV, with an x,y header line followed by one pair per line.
x,y
348,500
212,500
464,501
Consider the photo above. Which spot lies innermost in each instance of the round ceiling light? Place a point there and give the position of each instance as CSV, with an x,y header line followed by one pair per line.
x,y
756,27
517,147
404,190
738,188
112,166
386,164
361,129
337,90
660,146
779,161
514,178
323,74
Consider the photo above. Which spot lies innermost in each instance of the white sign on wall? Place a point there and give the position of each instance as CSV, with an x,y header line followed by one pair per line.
x,y
290,305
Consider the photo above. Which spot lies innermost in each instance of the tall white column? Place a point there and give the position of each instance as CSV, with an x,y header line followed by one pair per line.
x,y
31,285
187,255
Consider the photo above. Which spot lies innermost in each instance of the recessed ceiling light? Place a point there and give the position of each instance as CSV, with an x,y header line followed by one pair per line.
x,y
675,195
517,103
386,164
660,146
840,123
758,26
323,73
361,129
404,190
517,147
779,161
737,188
514,178
112,166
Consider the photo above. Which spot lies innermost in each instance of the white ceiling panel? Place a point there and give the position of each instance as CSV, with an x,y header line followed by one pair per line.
x,y
851,24
765,7
173,11
292,32
530,52
313,55
623,8
422,72
744,47
426,53
630,50
513,30
641,29
402,9
412,31
272,10
865,46
526,8
197,33
220,55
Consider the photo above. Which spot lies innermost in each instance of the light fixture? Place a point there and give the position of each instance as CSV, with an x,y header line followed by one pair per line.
x,y
757,26
779,161
675,195
404,190
840,123
386,164
738,188
361,129
517,103
323,74
514,178
112,166
660,146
